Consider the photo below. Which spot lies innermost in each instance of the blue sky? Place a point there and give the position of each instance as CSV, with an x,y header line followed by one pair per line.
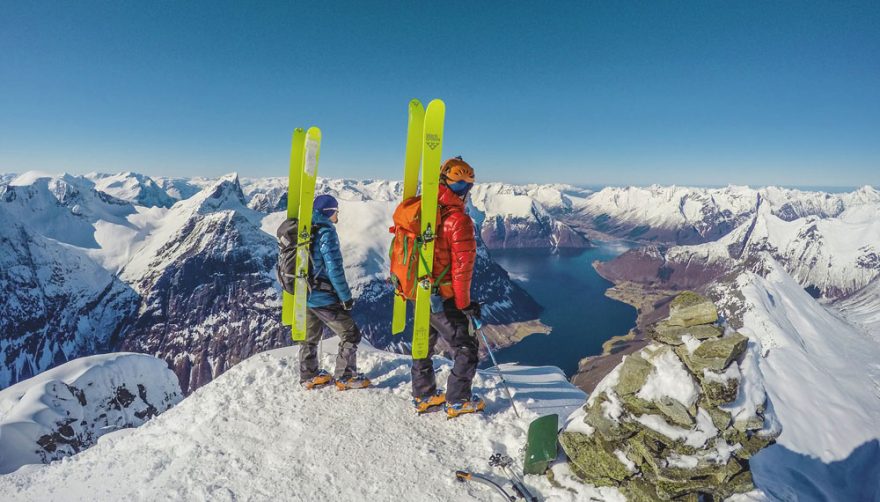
x,y
581,92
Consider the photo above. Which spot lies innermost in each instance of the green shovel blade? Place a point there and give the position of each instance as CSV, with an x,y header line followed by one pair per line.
x,y
541,444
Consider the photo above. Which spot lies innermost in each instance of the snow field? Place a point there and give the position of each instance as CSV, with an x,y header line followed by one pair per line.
x,y
254,433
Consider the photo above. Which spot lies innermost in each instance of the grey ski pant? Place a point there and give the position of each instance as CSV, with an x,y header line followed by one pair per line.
x,y
340,322
452,325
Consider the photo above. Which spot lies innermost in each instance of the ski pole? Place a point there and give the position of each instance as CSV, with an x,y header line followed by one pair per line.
x,y
478,326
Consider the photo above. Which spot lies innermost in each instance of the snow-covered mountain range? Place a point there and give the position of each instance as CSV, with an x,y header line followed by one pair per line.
x,y
97,263
688,215
190,281
829,243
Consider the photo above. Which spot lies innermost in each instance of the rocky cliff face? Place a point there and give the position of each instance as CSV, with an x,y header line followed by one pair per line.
x,y
208,299
678,419
58,304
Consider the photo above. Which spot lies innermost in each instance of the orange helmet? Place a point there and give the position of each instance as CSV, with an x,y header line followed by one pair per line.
x,y
456,169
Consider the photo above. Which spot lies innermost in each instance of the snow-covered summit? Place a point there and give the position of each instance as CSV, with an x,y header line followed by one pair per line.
x,y
253,434
132,187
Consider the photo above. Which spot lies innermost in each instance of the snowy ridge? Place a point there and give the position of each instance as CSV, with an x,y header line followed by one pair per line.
x,y
66,409
254,433
863,309
511,216
836,256
687,215
824,389
132,187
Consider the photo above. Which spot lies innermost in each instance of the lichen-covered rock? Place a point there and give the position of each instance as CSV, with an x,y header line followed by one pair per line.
x,y
691,309
715,354
670,423
740,483
675,412
598,417
640,490
750,442
720,391
593,459
637,406
672,335
720,418
633,375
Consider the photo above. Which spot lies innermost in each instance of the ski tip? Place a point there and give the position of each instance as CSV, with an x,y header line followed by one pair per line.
x,y
437,104
299,130
415,103
314,133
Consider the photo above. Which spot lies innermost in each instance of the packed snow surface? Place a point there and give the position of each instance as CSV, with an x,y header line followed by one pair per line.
x,y
254,433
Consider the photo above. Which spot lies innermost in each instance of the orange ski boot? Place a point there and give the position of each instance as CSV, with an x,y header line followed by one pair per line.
x,y
424,405
473,405
358,381
320,380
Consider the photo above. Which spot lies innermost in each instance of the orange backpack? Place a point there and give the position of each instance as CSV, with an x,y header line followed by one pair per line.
x,y
406,246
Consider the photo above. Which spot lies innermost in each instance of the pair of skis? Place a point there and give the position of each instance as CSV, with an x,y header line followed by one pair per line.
x,y
424,146
300,198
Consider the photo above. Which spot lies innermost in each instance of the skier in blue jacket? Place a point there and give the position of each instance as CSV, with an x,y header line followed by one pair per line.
x,y
329,300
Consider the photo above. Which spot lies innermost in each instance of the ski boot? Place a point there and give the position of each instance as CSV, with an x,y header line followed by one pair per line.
x,y
320,380
358,381
424,405
472,405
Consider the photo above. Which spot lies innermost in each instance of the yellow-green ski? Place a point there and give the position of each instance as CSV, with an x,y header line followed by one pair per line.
x,y
411,164
293,184
304,236
431,158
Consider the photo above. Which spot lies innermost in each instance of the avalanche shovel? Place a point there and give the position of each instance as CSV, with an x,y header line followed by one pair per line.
x,y
541,444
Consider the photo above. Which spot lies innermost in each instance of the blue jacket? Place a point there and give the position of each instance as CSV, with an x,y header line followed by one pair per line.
x,y
327,263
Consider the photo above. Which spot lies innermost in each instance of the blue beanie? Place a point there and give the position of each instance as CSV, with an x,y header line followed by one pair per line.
x,y
326,204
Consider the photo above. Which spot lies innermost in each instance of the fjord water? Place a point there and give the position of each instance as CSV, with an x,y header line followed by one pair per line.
x,y
574,301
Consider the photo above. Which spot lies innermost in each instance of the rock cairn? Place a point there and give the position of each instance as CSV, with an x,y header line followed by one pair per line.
x,y
677,420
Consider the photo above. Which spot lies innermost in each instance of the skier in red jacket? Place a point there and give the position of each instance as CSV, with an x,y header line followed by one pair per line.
x,y
455,247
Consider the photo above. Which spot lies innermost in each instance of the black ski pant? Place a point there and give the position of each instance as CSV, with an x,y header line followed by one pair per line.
x,y
340,322
451,324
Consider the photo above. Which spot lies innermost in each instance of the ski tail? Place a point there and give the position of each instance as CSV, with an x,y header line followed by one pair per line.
x,y
431,157
412,162
293,185
312,152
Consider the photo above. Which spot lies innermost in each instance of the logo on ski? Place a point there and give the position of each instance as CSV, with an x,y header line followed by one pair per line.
x,y
432,140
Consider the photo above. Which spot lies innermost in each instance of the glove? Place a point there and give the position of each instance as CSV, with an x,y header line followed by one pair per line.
x,y
473,310
286,232
348,304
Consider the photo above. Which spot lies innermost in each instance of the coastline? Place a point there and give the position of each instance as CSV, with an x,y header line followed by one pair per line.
x,y
651,304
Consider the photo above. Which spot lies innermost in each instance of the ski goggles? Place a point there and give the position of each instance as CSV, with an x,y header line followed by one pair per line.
x,y
460,187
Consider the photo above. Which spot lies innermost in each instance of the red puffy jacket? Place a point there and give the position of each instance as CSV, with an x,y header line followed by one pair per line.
x,y
456,247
